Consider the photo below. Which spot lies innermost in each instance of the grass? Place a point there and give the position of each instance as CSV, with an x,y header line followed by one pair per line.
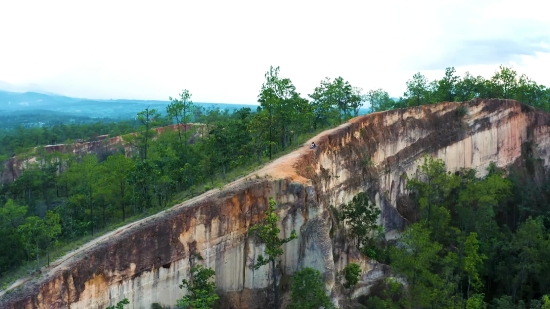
x,y
28,267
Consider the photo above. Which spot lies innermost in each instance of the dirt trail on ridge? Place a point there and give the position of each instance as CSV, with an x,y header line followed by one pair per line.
x,y
283,167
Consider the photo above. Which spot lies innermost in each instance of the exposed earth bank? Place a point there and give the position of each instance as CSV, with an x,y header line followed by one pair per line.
x,y
146,260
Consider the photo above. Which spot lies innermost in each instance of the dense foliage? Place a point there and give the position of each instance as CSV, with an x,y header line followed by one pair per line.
x,y
474,241
505,84
21,139
361,216
200,289
308,290
62,197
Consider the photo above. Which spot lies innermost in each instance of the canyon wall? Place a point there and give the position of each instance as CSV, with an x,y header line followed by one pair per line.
x,y
146,260
102,146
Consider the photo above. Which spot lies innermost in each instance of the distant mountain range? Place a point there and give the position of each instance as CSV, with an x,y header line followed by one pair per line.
x,y
115,109
39,108
22,88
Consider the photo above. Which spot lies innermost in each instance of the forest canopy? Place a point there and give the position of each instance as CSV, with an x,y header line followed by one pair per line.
x,y
470,251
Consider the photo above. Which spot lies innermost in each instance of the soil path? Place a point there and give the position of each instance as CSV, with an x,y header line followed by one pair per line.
x,y
282,167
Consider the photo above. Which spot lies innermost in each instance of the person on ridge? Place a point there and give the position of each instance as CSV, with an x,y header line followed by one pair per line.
x,y
312,145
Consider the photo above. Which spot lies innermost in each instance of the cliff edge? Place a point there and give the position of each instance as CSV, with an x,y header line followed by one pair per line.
x,y
146,260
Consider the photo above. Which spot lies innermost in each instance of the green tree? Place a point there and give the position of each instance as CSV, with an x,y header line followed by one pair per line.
x,y
116,170
275,96
149,118
200,289
142,179
527,247
446,87
390,297
476,302
362,216
323,109
473,261
84,179
181,109
120,304
417,90
531,93
356,100
268,233
351,273
36,231
308,290
258,129
340,93
466,88
50,232
379,100
505,82
432,188
11,247
415,259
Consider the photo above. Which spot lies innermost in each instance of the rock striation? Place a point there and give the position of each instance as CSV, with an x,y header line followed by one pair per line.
x,y
146,260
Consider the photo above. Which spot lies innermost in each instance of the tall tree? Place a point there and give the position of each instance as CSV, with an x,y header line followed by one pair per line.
x,y
321,105
417,90
356,100
149,119
379,100
116,170
446,87
36,231
505,81
11,246
276,96
466,88
84,179
181,109
415,259
362,216
268,233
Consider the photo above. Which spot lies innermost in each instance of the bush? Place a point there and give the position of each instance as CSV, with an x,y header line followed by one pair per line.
x,y
308,290
462,111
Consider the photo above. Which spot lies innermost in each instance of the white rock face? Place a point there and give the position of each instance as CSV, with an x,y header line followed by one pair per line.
x,y
147,261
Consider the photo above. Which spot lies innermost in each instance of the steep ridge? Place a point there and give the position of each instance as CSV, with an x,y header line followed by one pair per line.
x,y
146,260
102,146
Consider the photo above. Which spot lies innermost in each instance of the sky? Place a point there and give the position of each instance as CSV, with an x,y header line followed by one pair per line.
x,y
220,50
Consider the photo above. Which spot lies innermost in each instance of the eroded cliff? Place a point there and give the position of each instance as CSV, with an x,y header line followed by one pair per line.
x,y
146,260
102,146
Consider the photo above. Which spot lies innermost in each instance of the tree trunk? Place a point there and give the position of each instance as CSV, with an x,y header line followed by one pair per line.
x,y
103,209
92,212
122,201
179,129
275,286
270,137
37,257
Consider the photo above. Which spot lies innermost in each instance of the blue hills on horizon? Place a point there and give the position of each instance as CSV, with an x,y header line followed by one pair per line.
x,y
94,108
43,109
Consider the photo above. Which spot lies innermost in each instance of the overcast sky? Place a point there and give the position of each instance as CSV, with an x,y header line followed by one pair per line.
x,y
220,50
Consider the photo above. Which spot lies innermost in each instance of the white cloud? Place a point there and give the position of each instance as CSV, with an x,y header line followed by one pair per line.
x,y
219,50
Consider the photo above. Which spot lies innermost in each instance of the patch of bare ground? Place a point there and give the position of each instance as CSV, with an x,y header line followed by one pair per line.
x,y
281,168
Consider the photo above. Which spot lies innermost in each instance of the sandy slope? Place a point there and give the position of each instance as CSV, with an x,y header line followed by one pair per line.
x,y
282,167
